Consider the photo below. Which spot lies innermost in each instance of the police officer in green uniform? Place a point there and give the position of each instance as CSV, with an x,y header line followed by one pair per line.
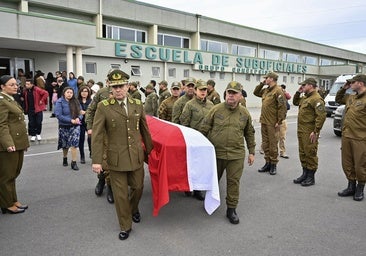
x,y
354,136
212,94
121,119
272,113
310,121
193,113
103,177
151,105
13,143
226,125
166,107
163,91
134,93
187,96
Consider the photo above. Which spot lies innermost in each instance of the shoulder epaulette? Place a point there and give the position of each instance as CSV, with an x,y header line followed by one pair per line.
x,y
105,102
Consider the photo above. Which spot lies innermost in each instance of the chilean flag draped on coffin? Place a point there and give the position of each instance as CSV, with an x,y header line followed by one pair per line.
x,y
182,160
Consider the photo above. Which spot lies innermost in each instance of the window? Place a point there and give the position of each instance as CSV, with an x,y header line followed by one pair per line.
x,y
116,66
172,72
121,33
155,71
284,79
222,75
186,73
212,75
135,71
62,65
258,78
325,62
91,67
214,46
269,54
310,60
292,79
247,77
243,50
290,57
172,40
299,79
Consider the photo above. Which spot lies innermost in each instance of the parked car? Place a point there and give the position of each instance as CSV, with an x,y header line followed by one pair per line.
x,y
338,120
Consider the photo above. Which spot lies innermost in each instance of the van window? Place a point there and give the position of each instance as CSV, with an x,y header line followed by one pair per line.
x,y
336,86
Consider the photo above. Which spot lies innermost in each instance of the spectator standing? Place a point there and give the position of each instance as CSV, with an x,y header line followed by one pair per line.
x,y
50,84
283,126
39,80
84,98
73,83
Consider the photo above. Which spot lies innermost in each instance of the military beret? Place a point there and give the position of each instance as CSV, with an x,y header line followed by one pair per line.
x,y
149,86
117,77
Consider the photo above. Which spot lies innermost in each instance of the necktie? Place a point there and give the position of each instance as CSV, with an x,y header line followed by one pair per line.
x,y
124,108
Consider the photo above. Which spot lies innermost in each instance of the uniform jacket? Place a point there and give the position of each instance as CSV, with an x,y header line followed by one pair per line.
x,y
178,108
151,104
166,108
40,99
13,130
273,104
135,94
312,112
194,112
163,95
124,135
214,97
354,123
226,128
62,112
102,94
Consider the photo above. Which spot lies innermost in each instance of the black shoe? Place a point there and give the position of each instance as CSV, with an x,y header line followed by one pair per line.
x,y
123,235
74,166
52,116
82,160
23,206
100,186
285,156
136,217
273,169
6,210
110,197
265,167
310,179
200,195
359,192
232,216
302,177
350,190
188,193
64,162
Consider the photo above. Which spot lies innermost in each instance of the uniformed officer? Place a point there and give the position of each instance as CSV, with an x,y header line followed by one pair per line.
x,y
226,125
193,113
151,105
354,136
310,121
272,113
212,94
13,143
134,93
103,177
187,96
121,120
166,107
163,91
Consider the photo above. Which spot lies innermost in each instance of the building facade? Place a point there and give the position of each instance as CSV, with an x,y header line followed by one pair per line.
x,y
89,37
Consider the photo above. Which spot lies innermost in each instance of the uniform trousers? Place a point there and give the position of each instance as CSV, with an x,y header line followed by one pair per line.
x,y
354,159
308,152
127,191
234,170
282,138
270,137
35,123
11,164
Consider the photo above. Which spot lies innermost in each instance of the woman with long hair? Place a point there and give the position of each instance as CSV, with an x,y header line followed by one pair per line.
x,y
84,97
67,111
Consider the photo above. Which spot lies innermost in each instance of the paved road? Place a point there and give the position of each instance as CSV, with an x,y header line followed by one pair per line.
x,y
277,217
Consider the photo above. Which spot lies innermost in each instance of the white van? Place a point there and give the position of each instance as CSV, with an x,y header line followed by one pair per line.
x,y
330,104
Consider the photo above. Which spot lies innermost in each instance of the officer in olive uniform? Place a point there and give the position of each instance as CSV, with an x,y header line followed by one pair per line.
x,y
163,91
187,96
226,125
354,136
134,93
193,113
151,105
121,120
272,113
310,121
212,94
13,143
102,94
166,107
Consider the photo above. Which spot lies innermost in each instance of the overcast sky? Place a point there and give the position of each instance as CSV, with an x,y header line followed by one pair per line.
x,y
339,23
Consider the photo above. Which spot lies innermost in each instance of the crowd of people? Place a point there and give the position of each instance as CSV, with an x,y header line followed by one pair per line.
x,y
113,119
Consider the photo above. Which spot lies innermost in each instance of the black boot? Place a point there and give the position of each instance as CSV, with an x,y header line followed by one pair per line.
x,y
100,185
232,216
310,179
265,167
65,163
74,166
273,169
110,197
359,192
302,177
82,158
350,190
200,195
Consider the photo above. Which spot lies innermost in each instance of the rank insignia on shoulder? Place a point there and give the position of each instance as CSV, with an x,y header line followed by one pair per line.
x,y
105,102
112,101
